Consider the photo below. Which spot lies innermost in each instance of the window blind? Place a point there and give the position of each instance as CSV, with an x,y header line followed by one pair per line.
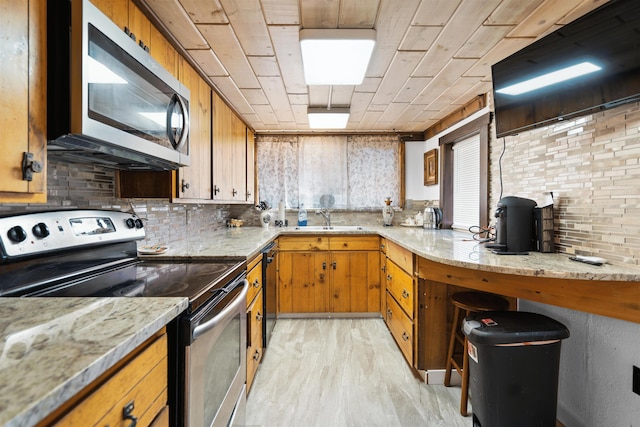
x,y
466,183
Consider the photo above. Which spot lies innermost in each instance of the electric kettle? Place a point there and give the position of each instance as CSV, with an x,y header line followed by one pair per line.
x,y
432,217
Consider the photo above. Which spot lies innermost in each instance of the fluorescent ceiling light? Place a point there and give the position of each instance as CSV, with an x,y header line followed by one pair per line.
x,y
550,78
323,118
336,56
97,72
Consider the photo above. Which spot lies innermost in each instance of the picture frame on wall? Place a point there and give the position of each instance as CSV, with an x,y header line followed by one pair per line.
x,y
431,167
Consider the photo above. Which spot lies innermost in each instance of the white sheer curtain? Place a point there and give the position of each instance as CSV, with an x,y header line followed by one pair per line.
x,y
322,171
358,171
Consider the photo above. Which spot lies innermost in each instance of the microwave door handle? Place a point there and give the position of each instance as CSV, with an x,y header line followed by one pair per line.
x,y
224,314
177,100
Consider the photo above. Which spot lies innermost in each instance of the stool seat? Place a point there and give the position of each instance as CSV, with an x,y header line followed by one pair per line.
x,y
469,302
479,301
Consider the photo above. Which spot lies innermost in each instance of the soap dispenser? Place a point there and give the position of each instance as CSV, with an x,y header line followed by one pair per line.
x,y
302,215
387,212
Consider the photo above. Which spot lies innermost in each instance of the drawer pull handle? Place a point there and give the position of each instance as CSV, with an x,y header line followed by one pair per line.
x,y
127,414
384,268
258,316
256,283
324,265
334,265
405,336
405,294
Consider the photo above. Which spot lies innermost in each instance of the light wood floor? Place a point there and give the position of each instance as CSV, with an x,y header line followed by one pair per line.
x,y
344,372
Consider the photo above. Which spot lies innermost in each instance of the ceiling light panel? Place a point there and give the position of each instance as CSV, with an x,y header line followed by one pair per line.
x,y
336,56
323,118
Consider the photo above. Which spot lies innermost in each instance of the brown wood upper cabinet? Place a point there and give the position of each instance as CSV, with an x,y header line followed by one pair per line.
x,y
23,117
231,182
221,148
126,15
194,181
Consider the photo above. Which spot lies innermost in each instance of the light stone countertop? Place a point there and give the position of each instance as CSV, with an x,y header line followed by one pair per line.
x,y
51,348
448,247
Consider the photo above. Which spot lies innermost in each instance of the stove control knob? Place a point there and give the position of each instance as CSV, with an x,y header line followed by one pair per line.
x,y
40,230
131,223
17,234
139,223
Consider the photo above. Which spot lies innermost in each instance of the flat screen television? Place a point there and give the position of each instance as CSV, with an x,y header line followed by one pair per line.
x,y
607,38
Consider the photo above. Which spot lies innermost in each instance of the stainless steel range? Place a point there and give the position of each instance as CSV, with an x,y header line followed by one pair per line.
x,y
94,253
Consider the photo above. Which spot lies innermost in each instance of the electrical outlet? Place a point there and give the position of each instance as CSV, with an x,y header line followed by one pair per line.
x,y
636,380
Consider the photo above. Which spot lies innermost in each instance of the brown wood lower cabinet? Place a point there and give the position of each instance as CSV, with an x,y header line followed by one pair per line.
x,y
329,274
139,381
432,340
255,317
401,327
400,299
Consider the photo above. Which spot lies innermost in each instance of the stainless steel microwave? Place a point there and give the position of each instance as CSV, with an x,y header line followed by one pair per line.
x,y
109,102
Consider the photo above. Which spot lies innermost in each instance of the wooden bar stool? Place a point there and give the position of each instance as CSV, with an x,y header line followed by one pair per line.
x,y
469,302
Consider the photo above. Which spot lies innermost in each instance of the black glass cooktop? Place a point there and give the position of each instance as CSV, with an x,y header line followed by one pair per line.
x,y
197,281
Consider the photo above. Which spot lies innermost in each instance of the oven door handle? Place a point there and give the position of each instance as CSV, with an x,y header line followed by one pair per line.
x,y
228,311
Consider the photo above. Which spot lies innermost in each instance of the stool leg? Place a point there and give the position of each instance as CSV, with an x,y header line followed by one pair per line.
x,y
464,393
452,342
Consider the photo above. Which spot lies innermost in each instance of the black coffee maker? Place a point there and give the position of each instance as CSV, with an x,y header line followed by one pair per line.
x,y
515,226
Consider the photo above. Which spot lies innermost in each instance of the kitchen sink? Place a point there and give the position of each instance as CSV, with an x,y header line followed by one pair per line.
x,y
325,228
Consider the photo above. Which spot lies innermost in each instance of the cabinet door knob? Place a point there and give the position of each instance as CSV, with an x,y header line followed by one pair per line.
x,y
389,313
334,265
256,283
256,355
405,294
388,277
184,186
30,166
127,414
258,316
405,336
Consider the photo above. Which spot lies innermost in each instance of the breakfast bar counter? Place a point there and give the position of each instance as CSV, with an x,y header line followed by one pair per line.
x,y
455,258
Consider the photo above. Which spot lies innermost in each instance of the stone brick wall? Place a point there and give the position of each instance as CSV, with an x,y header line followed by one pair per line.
x,y
592,166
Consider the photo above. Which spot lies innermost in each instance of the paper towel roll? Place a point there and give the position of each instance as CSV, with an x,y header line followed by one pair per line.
x,y
281,211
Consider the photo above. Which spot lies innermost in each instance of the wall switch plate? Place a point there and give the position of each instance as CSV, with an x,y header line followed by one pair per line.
x,y
636,380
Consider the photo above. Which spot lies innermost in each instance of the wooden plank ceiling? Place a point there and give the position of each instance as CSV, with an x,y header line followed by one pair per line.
x,y
431,57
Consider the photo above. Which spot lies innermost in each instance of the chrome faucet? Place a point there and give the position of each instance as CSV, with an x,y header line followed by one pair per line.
x,y
326,214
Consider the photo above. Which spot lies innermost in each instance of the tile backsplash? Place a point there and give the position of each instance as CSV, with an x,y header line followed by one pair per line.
x,y
592,166
83,186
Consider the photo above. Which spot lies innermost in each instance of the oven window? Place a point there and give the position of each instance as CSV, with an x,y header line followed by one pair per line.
x,y
221,367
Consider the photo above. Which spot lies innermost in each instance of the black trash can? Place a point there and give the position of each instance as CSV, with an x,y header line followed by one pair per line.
x,y
514,359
